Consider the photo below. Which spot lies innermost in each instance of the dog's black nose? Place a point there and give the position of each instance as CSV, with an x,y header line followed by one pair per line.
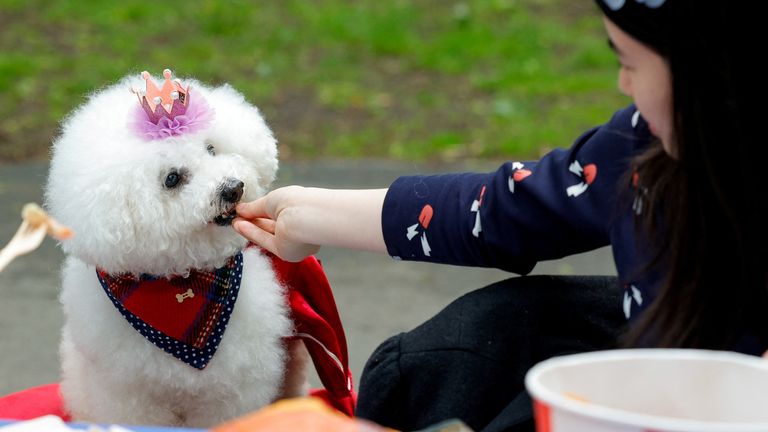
x,y
232,190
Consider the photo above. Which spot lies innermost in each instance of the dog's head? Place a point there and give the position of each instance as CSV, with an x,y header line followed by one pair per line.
x,y
141,201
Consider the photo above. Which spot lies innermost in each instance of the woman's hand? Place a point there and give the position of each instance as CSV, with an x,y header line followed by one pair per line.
x,y
294,221
269,222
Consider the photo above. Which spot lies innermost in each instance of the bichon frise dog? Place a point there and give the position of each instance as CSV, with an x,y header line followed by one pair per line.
x,y
169,319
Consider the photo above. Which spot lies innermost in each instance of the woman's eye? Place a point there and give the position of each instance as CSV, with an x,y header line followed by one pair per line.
x,y
172,180
210,149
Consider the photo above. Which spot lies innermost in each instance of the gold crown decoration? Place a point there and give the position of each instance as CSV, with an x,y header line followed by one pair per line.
x,y
169,101
169,111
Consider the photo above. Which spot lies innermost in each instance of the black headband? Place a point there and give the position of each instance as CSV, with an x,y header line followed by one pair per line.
x,y
648,21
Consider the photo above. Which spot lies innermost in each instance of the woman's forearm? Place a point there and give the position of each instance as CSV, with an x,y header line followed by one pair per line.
x,y
330,217
293,222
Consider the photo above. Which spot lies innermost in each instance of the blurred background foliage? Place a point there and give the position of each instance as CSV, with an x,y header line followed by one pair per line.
x,y
414,80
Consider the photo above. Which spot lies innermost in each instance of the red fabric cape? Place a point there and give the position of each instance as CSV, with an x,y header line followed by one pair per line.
x,y
317,323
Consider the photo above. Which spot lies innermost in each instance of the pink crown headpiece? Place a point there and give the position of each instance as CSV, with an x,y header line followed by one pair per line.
x,y
169,111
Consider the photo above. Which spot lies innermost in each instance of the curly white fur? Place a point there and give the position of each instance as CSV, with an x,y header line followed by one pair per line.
x,y
107,184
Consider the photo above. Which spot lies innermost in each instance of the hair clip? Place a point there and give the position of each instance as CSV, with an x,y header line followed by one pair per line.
x,y
615,5
169,110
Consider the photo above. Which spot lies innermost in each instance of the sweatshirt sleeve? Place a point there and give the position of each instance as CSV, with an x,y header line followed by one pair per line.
x,y
521,213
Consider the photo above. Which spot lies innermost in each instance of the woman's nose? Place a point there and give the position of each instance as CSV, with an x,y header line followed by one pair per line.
x,y
625,84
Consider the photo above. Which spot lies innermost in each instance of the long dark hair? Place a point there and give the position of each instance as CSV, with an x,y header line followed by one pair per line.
x,y
706,207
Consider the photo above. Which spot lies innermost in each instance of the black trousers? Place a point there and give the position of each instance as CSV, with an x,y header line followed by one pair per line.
x,y
469,360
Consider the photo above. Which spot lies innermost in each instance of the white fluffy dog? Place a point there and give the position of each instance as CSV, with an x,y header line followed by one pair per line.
x,y
160,202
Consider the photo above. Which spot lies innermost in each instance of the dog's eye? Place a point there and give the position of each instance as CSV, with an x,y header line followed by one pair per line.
x,y
210,149
172,179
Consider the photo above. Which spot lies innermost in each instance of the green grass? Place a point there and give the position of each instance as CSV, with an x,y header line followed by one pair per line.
x,y
421,79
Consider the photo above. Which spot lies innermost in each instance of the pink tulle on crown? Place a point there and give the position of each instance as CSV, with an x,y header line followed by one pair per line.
x,y
168,111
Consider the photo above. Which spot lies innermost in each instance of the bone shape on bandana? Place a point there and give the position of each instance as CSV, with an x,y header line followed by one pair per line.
x,y
192,331
183,296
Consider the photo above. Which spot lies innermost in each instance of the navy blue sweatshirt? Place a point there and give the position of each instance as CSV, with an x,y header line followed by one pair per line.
x,y
570,201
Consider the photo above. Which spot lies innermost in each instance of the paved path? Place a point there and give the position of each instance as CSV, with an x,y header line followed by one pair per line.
x,y
377,296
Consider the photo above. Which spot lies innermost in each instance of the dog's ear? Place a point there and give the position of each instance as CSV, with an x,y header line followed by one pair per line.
x,y
240,128
99,204
268,170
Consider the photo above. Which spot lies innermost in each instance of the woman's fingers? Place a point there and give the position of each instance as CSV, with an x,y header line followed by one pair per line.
x,y
253,209
267,225
257,221
255,234
260,232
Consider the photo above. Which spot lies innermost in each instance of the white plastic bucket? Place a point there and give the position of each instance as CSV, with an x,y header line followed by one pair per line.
x,y
650,390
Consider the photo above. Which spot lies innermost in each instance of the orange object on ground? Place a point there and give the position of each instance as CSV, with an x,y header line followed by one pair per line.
x,y
303,414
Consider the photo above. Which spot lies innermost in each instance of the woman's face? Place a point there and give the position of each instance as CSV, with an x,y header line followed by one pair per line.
x,y
645,77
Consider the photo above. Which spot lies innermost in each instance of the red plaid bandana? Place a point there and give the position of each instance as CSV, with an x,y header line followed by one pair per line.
x,y
184,316
190,326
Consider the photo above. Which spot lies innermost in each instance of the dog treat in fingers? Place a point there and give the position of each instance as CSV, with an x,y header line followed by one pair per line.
x,y
36,216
